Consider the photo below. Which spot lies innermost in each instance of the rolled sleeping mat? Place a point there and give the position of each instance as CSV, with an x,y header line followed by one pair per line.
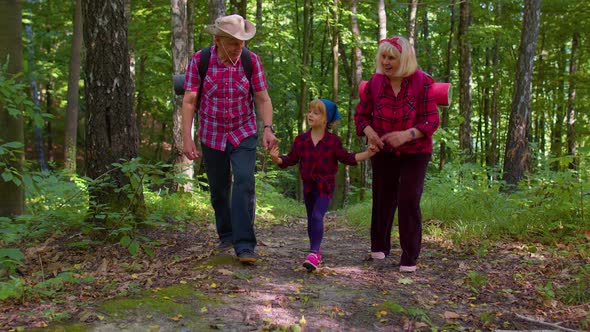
x,y
178,82
443,92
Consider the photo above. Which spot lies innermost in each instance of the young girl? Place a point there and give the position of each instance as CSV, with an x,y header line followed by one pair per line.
x,y
318,151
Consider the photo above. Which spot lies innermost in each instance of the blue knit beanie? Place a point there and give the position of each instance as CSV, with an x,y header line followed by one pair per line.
x,y
332,113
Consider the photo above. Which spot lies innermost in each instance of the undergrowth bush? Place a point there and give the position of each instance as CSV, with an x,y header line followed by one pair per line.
x,y
464,203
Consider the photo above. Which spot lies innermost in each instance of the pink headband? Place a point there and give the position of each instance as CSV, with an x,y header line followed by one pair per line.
x,y
392,41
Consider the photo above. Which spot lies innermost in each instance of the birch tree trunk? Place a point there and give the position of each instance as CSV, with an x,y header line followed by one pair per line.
x,y
571,98
382,20
71,139
412,22
180,56
12,197
516,160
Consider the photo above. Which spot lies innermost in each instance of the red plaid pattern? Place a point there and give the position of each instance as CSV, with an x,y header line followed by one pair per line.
x,y
386,113
227,109
318,164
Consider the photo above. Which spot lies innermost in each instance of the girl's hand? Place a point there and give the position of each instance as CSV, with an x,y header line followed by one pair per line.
x,y
372,150
274,154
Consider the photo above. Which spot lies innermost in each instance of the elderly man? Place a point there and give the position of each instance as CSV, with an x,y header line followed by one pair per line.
x,y
227,129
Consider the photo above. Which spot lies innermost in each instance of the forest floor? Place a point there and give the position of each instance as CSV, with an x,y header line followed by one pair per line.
x,y
189,285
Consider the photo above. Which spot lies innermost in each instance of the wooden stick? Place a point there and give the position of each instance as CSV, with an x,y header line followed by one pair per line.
x,y
557,326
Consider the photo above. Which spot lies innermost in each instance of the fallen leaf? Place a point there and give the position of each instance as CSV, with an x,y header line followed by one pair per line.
x,y
405,281
451,315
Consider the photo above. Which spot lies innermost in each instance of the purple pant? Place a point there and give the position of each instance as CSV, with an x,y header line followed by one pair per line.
x,y
398,182
316,207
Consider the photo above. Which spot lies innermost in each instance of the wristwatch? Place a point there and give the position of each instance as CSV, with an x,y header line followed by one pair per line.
x,y
272,129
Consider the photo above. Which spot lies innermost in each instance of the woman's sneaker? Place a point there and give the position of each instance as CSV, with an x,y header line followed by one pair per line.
x,y
312,261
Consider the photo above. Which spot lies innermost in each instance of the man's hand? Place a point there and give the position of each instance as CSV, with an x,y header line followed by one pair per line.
x,y
190,149
269,140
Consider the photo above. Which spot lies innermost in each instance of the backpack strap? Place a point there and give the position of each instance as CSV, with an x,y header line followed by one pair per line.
x,y
247,65
203,66
418,87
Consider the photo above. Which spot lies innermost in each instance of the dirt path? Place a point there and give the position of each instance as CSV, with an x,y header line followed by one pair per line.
x,y
190,286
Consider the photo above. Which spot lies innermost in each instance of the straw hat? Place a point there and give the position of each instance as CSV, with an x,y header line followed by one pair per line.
x,y
232,26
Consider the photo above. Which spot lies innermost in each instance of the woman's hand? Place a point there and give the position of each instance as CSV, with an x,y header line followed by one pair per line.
x,y
397,138
373,138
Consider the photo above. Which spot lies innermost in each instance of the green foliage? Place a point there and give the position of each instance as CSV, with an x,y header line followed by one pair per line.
x,y
576,292
10,259
476,280
463,202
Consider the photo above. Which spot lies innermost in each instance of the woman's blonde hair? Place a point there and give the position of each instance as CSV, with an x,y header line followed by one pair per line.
x,y
407,55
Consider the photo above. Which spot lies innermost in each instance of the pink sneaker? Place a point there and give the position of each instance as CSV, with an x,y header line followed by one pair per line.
x,y
312,261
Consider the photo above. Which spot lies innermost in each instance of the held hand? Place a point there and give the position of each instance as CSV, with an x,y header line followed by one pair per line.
x,y
373,138
190,149
269,140
397,138
274,154
372,150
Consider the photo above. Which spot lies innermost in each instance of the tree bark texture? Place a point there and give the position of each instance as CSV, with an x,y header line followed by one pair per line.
x,y
517,153
412,22
111,130
382,20
444,122
180,57
12,198
465,144
71,139
571,99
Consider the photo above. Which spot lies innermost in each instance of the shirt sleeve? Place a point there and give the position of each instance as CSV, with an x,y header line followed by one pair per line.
x,y
364,110
192,80
292,158
342,154
428,117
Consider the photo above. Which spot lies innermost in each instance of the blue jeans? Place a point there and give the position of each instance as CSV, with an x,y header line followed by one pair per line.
x,y
233,204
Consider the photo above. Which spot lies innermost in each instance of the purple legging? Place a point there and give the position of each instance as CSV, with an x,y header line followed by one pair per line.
x,y
316,207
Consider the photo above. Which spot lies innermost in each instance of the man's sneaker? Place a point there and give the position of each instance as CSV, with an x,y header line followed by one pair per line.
x,y
312,261
407,269
247,256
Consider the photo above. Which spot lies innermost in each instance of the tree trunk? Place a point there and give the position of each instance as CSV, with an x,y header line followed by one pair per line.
x,y
180,56
71,139
494,112
382,20
517,153
413,10
465,145
111,130
12,198
571,98
216,9
444,123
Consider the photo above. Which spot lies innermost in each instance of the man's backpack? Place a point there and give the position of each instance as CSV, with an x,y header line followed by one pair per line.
x,y
245,58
